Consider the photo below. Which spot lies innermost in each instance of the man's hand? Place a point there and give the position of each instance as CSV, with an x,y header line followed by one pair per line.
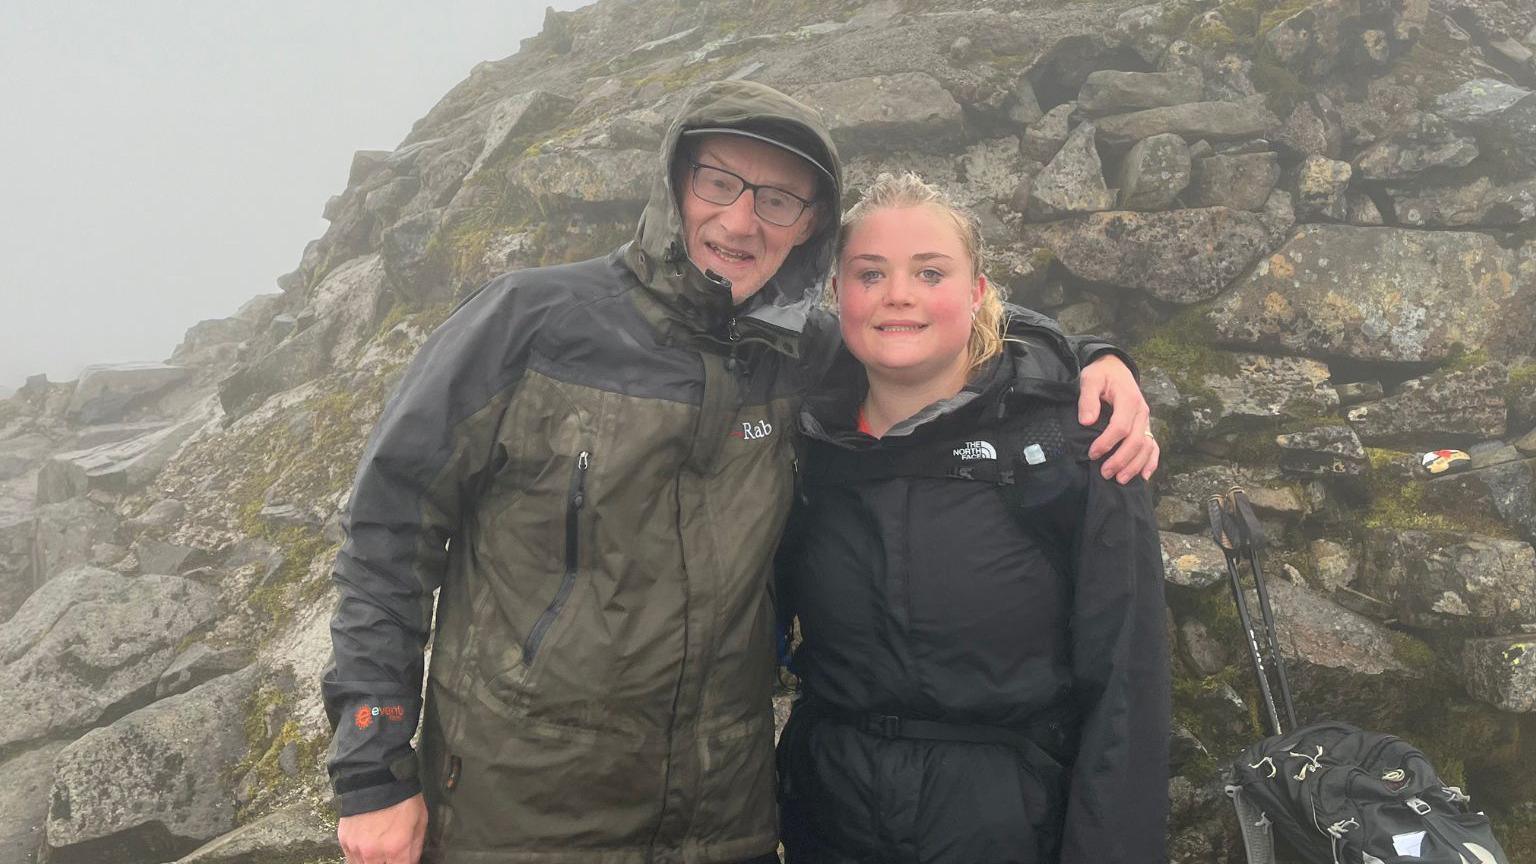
x,y
393,835
1109,380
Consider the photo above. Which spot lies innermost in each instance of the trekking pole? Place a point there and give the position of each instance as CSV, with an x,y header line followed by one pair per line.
x,y
1250,537
1223,528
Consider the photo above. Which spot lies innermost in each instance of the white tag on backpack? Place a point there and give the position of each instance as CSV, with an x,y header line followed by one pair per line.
x,y
1408,844
1033,454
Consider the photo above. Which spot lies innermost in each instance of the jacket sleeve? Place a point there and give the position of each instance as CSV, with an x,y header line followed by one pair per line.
x,y
1086,348
433,444
1117,801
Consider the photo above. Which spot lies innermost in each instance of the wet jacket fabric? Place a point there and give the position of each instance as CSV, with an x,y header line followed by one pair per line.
x,y
593,463
969,571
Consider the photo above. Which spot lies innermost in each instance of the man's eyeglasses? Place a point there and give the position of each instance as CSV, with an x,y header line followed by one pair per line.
x,y
771,204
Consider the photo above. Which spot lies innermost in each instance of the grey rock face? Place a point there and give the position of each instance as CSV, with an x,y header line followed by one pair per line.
x,y
1073,182
1422,142
1361,209
19,573
1313,129
1506,492
1215,121
603,181
1335,566
1512,134
1387,304
516,116
1241,182
1043,138
289,836
24,802
1502,671
1445,406
405,250
154,785
1478,103
105,394
1479,203
1328,451
212,341
72,534
1265,389
908,110
1480,584
1180,256
1192,560
200,663
88,643
1208,653
1321,189
1154,173
1311,40
1110,92
121,466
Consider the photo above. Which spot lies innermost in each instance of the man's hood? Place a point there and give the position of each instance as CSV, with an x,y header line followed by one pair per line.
x,y
658,255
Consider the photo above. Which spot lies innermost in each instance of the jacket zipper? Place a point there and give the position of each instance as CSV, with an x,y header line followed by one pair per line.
x,y
574,501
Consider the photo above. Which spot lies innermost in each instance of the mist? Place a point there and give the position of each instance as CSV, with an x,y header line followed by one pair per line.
x,y
163,162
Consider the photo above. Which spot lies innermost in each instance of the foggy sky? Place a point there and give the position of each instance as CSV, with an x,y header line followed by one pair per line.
x,y
162,162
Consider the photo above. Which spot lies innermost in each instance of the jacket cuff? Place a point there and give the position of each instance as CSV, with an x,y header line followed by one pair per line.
x,y
370,798
1091,351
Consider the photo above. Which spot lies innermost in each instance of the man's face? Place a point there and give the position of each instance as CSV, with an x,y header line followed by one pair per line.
x,y
731,239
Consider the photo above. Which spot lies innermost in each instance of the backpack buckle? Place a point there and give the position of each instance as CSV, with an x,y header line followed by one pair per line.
x,y
884,725
1419,805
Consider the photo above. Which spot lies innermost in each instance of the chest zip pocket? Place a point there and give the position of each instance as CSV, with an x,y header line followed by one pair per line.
x,y
573,504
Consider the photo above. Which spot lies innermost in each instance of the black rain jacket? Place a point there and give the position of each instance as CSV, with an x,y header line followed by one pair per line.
x,y
923,594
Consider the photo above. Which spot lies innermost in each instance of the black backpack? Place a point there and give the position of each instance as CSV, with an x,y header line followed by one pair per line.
x,y
1341,795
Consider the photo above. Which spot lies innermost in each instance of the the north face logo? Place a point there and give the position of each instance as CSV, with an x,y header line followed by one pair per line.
x,y
750,431
976,450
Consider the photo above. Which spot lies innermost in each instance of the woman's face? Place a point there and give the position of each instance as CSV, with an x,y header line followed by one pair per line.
x,y
905,296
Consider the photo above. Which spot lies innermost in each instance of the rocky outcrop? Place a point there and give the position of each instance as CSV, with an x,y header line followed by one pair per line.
x,y
1388,304
24,802
155,784
90,644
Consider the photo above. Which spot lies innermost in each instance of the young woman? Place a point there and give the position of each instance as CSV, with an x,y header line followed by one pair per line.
x,y
983,661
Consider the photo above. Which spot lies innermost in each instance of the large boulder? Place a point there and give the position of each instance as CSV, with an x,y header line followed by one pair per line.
x,y
1422,142
1481,585
24,802
516,117
1326,451
1502,671
293,835
1154,173
156,784
105,394
90,644
1109,91
19,572
1179,256
1073,182
1458,406
1045,136
904,111
1479,202
1258,389
121,466
1213,121
72,534
1477,104
594,182
1504,493
212,342
1192,560
1241,181
1342,665
1381,294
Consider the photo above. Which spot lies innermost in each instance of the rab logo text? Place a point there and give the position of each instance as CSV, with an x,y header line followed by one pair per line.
x,y
976,450
750,431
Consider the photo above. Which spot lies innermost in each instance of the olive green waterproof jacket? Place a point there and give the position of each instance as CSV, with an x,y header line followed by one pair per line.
x,y
593,463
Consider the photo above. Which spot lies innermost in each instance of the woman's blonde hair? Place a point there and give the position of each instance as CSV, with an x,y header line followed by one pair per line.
x,y
910,190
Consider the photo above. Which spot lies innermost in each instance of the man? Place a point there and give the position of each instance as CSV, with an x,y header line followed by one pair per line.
x,y
592,461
